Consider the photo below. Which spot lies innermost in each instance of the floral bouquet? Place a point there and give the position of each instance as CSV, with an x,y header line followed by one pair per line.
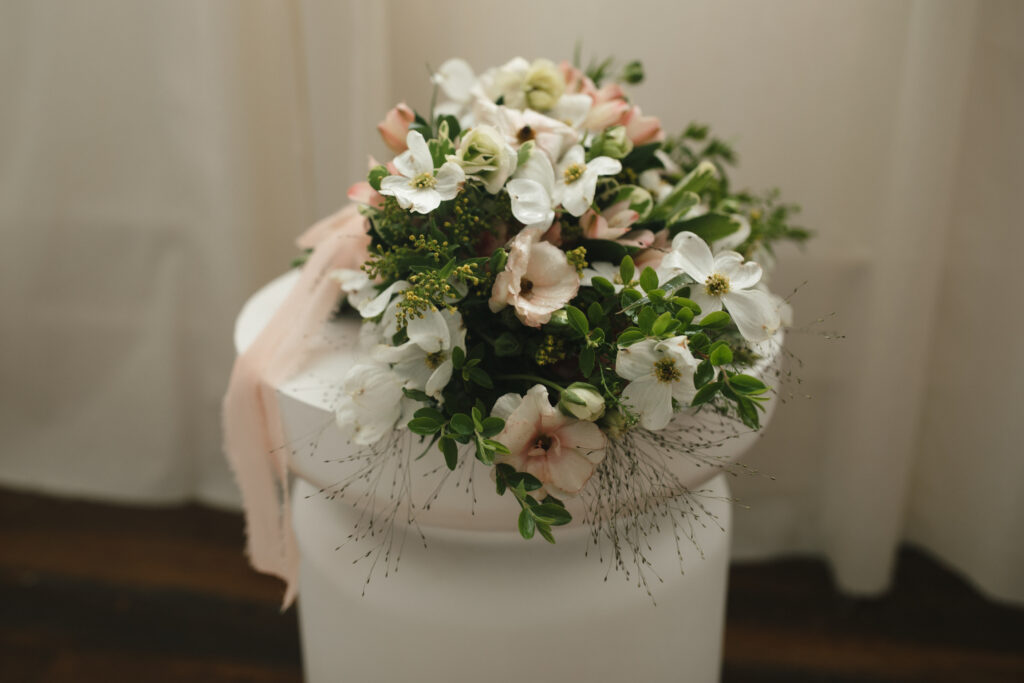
x,y
549,285
551,280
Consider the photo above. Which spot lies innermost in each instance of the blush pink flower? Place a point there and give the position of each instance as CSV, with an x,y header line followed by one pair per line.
x,y
363,193
614,223
395,126
653,255
575,80
642,129
537,280
561,451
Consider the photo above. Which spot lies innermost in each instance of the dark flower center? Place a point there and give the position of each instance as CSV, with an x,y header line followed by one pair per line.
x,y
525,286
525,133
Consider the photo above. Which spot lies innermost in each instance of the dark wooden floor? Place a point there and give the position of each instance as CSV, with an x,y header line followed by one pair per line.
x,y
180,604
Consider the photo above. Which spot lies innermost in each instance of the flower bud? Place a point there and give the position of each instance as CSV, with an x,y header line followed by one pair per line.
x,y
613,143
633,73
395,126
583,401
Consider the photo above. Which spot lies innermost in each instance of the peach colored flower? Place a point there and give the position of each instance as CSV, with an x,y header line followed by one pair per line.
x,y
575,80
655,252
395,126
363,193
610,224
642,129
561,451
537,280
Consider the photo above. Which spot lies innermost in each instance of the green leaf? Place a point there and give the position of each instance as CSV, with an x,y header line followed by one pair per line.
x,y
545,531
716,319
479,376
685,316
703,375
424,426
492,426
603,285
458,357
626,270
430,413
551,513
687,303
748,414
700,343
415,394
577,320
377,174
646,319
507,344
526,524
661,324
745,384
450,450
629,297
497,446
631,336
462,424
483,453
706,393
710,227
648,279
595,314
721,354
587,358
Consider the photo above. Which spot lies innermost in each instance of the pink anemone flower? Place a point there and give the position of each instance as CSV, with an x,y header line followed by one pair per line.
x,y
537,280
561,451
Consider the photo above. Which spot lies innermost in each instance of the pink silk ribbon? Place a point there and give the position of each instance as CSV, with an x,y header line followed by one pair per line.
x,y
254,438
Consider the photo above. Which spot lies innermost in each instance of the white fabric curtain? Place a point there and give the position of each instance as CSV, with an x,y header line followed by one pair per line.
x,y
156,160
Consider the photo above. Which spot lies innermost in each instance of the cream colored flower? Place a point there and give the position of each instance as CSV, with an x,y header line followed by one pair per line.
x,y
537,280
484,153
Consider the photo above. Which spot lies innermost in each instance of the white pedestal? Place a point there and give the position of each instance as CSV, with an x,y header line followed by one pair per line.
x,y
478,603
488,606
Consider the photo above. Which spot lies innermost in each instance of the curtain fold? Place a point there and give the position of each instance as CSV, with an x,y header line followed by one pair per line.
x,y
156,162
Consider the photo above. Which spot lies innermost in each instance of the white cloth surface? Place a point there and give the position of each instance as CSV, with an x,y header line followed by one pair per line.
x,y
157,159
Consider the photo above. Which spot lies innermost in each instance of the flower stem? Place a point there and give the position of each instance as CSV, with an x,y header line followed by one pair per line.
x,y
534,378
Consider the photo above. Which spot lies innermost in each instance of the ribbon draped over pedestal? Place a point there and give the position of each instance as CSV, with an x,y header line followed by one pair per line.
x,y
254,439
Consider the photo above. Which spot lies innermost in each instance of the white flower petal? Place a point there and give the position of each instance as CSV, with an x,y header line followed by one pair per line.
x,y
376,306
421,200
456,79
439,379
430,332
406,165
575,196
604,166
506,405
449,179
691,255
652,400
636,361
531,204
741,275
755,313
707,302
422,162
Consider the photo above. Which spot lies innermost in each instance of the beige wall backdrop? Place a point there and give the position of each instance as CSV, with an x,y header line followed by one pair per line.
x,y
157,159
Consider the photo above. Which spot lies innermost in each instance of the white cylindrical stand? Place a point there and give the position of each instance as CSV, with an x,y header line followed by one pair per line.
x,y
489,606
